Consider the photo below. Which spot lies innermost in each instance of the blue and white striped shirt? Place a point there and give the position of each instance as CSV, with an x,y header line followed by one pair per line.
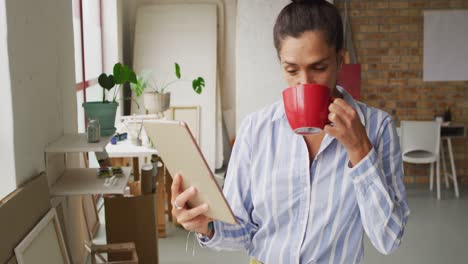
x,y
292,212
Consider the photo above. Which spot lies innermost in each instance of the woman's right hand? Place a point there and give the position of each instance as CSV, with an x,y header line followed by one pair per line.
x,y
192,219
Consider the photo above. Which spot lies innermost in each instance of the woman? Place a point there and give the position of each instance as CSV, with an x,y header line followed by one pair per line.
x,y
308,199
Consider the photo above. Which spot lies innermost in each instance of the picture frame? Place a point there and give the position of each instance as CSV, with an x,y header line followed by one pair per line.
x,y
190,115
46,236
91,215
59,203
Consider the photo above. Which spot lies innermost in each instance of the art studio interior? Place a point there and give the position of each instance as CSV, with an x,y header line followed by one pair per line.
x,y
103,102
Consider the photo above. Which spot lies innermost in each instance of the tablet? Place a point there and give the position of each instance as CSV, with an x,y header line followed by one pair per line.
x,y
181,154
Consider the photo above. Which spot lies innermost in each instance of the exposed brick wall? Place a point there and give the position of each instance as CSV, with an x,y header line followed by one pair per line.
x,y
388,39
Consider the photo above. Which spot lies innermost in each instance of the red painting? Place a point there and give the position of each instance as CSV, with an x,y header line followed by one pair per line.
x,y
350,78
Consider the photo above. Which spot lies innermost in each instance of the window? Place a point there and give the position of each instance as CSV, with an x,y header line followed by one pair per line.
x,y
7,153
87,28
97,42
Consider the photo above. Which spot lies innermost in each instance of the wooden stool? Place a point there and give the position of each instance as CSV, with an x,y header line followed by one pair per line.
x,y
163,190
97,251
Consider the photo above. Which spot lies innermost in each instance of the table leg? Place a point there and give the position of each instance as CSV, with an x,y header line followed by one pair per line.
x,y
438,179
136,168
168,180
444,165
454,170
160,201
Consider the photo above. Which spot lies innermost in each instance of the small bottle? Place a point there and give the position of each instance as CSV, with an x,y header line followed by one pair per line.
x,y
94,131
447,114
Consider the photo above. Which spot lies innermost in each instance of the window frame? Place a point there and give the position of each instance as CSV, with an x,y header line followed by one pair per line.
x,y
82,86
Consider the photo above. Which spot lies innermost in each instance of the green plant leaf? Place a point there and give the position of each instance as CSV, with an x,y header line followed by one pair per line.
x,y
142,82
125,75
132,77
106,82
177,70
122,74
117,71
138,87
198,85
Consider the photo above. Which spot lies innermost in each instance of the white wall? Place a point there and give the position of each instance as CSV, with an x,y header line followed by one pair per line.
x,y
42,73
40,41
7,158
259,79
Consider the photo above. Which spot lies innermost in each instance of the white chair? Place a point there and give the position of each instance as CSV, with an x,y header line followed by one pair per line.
x,y
420,144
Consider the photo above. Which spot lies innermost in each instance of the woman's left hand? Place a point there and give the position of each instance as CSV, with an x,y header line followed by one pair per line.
x,y
348,130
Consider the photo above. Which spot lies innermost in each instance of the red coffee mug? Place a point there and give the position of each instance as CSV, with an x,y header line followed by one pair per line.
x,y
306,107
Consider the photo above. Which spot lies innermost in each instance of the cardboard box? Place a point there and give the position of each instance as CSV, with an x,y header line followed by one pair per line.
x,y
133,219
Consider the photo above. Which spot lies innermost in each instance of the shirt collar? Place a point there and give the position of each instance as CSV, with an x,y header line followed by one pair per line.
x,y
280,113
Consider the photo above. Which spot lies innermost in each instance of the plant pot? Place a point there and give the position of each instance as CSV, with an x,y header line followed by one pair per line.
x,y
133,130
156,102
105,113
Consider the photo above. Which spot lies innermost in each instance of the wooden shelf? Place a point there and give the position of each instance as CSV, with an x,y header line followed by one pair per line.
x,y
125,149
78,181
76,143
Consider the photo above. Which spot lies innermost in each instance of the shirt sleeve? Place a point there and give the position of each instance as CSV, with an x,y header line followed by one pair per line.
x,y
380,192
238,195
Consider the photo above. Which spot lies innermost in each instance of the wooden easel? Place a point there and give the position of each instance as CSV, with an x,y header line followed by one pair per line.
x,y
97,251
160,197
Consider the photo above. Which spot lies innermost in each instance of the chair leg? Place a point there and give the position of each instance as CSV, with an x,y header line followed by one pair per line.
x,y
431,177
452,164
444,165
438,178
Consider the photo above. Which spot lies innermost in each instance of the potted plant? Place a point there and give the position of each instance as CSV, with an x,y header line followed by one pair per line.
x,y
158,100
105,110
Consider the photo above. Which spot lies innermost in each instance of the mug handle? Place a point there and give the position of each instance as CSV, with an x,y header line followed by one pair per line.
x,y
328,122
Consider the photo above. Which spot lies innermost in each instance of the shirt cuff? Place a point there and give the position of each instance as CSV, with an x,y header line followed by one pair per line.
x,y
205,241
366,170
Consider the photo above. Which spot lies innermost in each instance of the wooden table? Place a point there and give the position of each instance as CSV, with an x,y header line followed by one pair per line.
x,y
447,133
125,149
